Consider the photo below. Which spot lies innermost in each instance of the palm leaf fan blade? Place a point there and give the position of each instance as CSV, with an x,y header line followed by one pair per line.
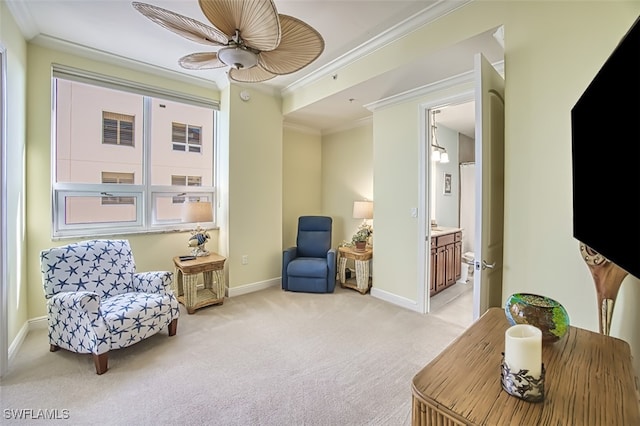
x,y
300,45
256,20
182,25
250,75
201,61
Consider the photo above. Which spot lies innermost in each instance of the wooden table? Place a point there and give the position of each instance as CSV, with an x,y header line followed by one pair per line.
x,y
186,281
589,381
361,260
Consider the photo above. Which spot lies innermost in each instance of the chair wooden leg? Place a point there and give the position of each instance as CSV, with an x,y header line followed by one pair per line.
x,y
173,327
101,362
53,348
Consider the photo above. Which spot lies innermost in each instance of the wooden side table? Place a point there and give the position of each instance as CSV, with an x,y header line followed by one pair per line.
x,y
361,260
186,281
589,380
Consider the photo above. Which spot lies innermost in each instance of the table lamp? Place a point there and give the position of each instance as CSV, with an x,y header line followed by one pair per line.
x,y
363,210
197,212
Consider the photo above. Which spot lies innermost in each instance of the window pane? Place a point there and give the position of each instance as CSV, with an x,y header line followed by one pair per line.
x,y
172,123
194,135
90,209
126,133
194,180
178,180
167,210
110,131
178,132
117,177
85,117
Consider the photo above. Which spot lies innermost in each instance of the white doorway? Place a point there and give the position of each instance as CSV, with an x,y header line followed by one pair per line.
x,y
4,281
429,186
453,133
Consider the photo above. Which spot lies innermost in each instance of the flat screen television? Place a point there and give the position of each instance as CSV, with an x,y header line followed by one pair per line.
x,y
605,143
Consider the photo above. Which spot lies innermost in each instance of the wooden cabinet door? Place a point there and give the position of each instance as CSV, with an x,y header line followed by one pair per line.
x,y
450,275
432,278
458,260
441,268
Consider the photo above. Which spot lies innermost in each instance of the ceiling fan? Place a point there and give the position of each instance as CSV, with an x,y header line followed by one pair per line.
x,y
255,41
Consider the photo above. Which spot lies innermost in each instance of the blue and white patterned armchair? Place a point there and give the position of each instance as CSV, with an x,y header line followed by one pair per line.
x,y
97,302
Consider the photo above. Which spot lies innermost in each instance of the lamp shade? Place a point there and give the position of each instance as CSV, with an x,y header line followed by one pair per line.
x,y
197,212
363,209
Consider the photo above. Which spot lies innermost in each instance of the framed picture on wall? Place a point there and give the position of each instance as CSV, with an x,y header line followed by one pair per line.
x,y
447,184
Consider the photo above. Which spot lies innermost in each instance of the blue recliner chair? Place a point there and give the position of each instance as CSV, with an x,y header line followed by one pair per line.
x,y
310,266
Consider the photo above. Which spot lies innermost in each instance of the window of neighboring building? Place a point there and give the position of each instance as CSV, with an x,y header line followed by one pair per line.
x,y
100,189
117,129
117,178
186,137
185,181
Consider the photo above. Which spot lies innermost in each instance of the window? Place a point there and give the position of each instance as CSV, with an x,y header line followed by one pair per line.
x,y
117,178
117,129
185,181
99,189
186,137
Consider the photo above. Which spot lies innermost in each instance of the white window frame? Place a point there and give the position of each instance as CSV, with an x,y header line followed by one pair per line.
x,y
145,195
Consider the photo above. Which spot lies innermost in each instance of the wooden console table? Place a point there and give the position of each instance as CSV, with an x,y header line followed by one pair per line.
x,y
361,260
589,381
186,281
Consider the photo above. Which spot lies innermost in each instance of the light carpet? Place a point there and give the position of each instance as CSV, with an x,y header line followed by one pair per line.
x,y
265,358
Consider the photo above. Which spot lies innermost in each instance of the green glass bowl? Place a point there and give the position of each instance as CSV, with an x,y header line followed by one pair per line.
x,y
540,311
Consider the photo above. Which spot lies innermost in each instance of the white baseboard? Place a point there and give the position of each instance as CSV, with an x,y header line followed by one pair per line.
x,y
394,299
32,324
253,287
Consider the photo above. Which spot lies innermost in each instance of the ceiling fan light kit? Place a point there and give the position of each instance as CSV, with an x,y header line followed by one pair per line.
x,y
237,57
254,40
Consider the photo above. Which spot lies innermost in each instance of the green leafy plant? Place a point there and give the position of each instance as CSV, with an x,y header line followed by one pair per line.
x,y
364,232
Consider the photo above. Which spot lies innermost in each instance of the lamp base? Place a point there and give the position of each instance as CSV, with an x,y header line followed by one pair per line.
x,y
521,385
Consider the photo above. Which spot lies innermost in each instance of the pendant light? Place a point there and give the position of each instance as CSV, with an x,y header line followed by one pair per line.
x,y
441,157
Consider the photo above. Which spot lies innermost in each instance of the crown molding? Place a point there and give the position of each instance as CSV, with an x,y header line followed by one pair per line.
x,y
365,121
422,91
301,128
418,20
110,58
21,14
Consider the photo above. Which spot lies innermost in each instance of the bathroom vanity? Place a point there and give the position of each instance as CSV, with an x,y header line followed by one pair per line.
x,y
446,257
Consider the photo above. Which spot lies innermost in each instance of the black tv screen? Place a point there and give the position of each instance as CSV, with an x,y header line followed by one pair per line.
x,y
605,133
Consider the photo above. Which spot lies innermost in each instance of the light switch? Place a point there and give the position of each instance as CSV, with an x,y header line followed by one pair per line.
x,y
414,212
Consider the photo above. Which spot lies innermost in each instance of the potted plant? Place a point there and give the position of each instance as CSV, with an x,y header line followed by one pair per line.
x,y
361,237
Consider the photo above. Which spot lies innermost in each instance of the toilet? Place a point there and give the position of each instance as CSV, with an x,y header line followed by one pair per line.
x,y
468,259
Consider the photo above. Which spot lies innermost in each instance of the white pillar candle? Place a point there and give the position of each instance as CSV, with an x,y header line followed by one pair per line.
x,y
523,349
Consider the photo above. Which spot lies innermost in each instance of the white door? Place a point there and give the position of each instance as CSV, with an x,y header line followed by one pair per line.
x,y
489,96
4,273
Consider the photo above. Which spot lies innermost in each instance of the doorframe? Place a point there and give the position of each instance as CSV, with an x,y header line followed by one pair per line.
x,y
4,276
424,185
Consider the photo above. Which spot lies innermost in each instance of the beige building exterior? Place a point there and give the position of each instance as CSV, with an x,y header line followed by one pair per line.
x,y
181,151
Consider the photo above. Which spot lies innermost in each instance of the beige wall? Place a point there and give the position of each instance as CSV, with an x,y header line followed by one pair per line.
x,y
302,183
255,188
16,85
347,176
